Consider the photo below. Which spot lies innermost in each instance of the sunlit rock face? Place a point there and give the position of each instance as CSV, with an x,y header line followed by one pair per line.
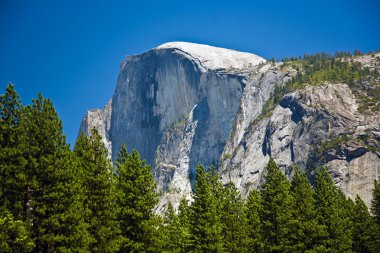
x,y
316,126
183,103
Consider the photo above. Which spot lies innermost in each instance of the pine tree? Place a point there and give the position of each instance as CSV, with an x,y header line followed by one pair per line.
x,y
206,225
136,186
14,234
374,244
375,205
184,226
308,233
173,236
254,209
276,217
13,178
333,214
168,229
52,203
234,221
363,227
99,192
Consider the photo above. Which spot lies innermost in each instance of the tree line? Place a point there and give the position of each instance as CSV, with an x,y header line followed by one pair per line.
x,y
316,69
54,199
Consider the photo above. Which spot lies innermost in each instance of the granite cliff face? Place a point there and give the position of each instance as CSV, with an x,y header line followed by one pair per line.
x,y
316,126
181,103
101,120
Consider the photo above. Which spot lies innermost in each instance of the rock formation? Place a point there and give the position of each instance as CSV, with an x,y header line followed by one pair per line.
x,y
182,103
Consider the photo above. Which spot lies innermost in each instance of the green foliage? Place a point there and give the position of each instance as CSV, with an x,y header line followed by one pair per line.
x,y
332,143
177,229
374,243
369,97
184,217
308,232
137,199
225,157
206,224
234,221
12,146
276,216
375,205
14,235
319,68
364,230
100,195
55,200
51,178
333,212
253,209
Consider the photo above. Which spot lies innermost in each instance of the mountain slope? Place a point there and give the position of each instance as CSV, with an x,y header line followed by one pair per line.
x,y
183,103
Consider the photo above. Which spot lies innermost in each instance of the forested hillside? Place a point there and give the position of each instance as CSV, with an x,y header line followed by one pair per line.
x,y
54,199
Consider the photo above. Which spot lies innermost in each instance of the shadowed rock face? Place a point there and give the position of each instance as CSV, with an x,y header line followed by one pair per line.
x,y
160,88
182,103
177,108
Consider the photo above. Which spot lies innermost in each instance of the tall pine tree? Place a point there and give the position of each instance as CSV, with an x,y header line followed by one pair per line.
x,y
13,176
206,225
100,193
375,205
254,209
234,220
308,233
363,228
175,234
184,226
375,209
333,214
52,203
137,199
276,217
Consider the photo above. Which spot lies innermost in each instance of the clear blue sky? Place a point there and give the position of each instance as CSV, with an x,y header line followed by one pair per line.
x,y
71,50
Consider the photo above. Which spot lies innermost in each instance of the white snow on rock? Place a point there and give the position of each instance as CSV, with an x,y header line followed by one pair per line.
x,y
214,58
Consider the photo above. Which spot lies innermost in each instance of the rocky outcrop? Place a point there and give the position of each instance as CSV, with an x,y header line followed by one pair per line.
x,y
316,126
181,103
101,120
177,103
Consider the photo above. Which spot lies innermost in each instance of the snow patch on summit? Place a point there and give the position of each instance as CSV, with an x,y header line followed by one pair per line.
x,y
214,58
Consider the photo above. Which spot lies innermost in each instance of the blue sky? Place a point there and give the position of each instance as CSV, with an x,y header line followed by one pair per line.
x,y
71,50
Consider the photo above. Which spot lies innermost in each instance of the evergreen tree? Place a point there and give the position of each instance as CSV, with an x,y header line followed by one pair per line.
x,y
254,209
234,221
99,192
374,244
206,225
276,217
375,205
51,200
333,214
183,227
136,186
308,233
13,178
169,229
364,229
174,232
14,235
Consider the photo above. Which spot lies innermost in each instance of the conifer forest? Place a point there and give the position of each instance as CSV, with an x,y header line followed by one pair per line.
x,y
54,198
